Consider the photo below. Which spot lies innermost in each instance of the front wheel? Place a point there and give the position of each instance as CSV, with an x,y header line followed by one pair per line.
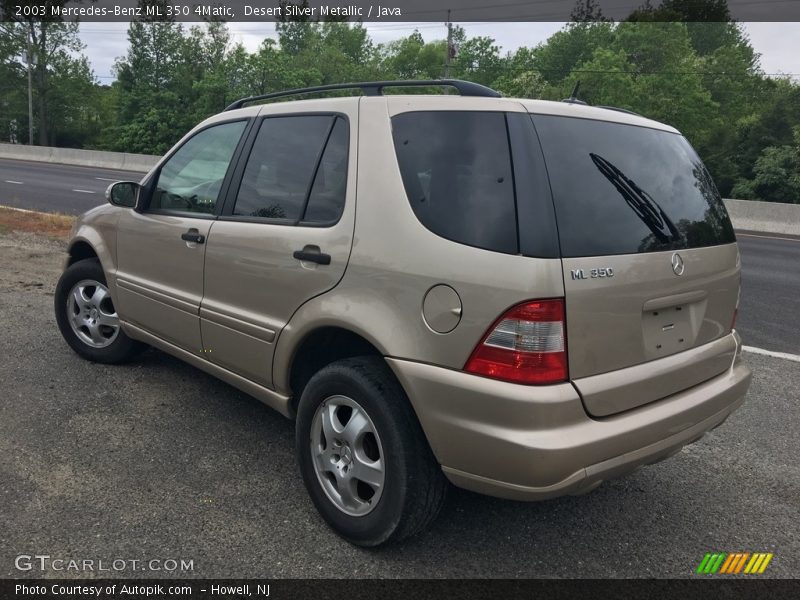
x,y
363,456
87,318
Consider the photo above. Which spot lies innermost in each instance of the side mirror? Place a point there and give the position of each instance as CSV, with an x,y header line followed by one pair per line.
x,y
123,193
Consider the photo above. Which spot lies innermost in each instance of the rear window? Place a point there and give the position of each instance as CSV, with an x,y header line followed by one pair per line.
x,y
623,189
456,169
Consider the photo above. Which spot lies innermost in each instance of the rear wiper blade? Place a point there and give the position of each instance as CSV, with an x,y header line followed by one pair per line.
x,y
642,204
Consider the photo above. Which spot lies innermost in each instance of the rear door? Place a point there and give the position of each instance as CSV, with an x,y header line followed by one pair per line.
x,y
284,235
650,264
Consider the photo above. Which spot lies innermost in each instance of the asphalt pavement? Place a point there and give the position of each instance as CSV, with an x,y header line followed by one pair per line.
x,y
57,188
156,460
769,308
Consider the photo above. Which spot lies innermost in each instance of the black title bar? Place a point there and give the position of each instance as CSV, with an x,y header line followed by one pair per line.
x,y
462,11
700,588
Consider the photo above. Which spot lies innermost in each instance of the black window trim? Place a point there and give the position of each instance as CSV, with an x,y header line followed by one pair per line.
x,y
148,186
513,182
673,131
520,186
232,191
540,187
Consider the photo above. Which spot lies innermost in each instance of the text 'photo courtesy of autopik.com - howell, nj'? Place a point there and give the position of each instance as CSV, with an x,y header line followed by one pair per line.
x,y
403,299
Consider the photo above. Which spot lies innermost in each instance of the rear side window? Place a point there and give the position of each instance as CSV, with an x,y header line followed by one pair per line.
x,y
326,202
296,171
623,189
457,173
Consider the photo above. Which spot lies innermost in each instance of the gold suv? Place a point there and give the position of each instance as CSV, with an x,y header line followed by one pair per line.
x,y
523,298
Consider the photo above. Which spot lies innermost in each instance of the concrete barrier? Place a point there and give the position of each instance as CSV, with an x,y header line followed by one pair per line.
x,y
121,161
747,215
767,217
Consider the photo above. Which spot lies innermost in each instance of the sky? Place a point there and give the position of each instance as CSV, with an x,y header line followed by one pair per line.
x,y
776,42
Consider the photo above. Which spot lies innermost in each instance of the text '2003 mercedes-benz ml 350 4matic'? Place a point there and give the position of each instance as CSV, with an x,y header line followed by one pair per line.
x,y
523,298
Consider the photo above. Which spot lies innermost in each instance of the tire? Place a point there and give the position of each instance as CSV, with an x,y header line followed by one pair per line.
x,y
87,318
364,394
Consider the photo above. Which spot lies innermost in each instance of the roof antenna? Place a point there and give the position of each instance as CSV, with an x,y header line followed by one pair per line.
x,y
573,97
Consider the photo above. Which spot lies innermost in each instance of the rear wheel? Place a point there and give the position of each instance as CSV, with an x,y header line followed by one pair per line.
x,y
87,317
363,456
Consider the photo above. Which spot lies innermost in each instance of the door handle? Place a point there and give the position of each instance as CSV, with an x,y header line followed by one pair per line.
x,y
193,236
312,254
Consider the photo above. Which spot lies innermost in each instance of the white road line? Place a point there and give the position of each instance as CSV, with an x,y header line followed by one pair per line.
x,y
784,355
14,182
22,210
105,179
768,237
85,191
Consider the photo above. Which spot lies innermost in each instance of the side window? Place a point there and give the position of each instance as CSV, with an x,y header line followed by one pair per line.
x,y
456,169
326,202
297,170
191,180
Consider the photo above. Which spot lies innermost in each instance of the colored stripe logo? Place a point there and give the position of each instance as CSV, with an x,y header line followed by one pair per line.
x,y
734,563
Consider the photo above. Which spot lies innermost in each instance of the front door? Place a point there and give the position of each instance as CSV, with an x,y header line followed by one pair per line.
x,y
283,238
160,250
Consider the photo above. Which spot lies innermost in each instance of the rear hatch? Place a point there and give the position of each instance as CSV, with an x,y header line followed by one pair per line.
x,y
650,264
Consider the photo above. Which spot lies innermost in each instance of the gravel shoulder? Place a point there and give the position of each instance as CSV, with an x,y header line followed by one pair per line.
x,y
155,459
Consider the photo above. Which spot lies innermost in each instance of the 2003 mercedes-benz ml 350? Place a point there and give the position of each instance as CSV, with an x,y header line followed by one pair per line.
x,y
523,298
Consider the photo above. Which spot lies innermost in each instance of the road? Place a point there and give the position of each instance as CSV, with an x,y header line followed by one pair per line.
x,y
64,189
770,301
156,459
770,275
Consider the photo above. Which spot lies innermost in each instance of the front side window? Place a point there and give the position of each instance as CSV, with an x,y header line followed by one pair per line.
x,y
456,169
297,170
191,180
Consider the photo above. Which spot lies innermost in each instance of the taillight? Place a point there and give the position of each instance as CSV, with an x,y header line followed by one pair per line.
x,y
526,345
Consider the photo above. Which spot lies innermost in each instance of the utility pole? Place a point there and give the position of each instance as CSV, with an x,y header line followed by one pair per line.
x,y
449,51
29,60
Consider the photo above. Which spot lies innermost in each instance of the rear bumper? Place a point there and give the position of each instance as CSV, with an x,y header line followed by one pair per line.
x,y
532,443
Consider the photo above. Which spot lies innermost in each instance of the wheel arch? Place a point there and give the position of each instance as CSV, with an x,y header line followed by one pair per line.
x,y
319,347
80,249
94,240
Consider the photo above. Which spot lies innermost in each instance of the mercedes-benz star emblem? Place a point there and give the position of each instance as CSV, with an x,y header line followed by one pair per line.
x,y
677,264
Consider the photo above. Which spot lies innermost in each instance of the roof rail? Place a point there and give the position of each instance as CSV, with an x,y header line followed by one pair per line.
x,y
622,110
375,88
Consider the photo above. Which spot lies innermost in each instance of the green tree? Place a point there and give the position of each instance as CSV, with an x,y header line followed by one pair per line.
x,y
72,117
776,175
294,33
568,48
49,42
771,125
478,59
13,100
153,110
652,69
587,11
271,70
